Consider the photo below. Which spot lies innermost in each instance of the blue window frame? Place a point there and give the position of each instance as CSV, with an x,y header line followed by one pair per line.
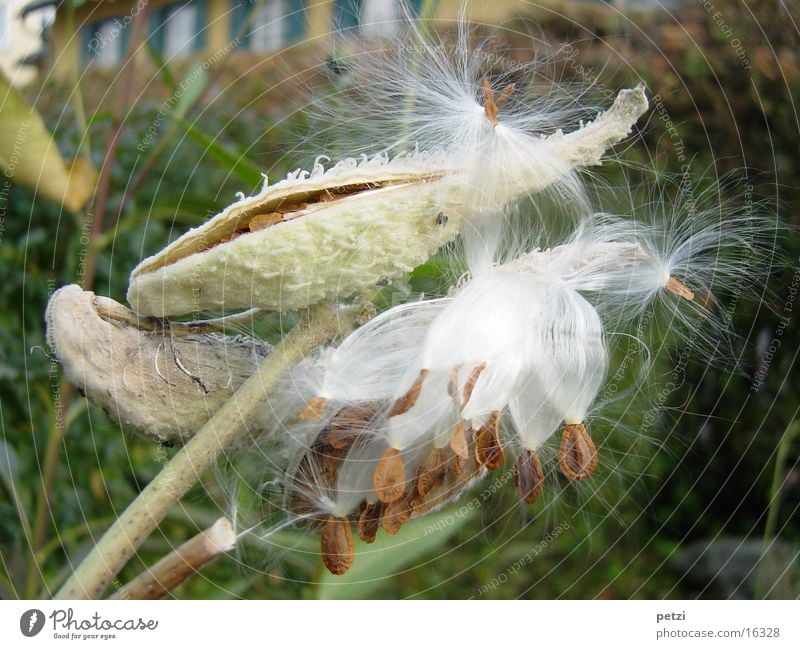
x,y
351,14
273,23
179,29
105,41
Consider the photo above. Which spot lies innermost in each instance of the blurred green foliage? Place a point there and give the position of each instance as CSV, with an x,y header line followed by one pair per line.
x,y
700,477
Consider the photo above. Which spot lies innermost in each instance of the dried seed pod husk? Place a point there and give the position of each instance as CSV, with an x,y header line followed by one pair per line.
x,y
389,478
344,229
150,379
337,545
369,520
528,476
488,449
578,454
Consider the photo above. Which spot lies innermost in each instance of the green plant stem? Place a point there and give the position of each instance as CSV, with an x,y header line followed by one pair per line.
x,y
55,440
778,479
121,541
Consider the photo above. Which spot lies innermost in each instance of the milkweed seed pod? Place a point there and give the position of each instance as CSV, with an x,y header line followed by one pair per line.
x,y
154,381
332,233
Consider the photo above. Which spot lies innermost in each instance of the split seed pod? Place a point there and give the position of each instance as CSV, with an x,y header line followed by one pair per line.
x,y
332,233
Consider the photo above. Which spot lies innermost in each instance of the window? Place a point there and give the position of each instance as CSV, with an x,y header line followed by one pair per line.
x,y
373,16
272,23
105,41
180,24
179,29
5,26
380,16
268,26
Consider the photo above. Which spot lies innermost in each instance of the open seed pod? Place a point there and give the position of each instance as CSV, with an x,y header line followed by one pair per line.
x,y
153,380
332,233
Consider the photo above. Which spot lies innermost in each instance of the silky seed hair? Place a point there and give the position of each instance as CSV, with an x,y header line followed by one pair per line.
x,y
460,89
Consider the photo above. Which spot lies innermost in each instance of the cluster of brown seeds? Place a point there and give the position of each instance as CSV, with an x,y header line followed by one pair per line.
x,y
441,475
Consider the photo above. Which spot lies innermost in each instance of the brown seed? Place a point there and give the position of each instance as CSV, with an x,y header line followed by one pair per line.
x,y
314,408
528,476
457,467
490,105
452,384
433,471
505,95
414,499
396,515
472,379
349,424
327,462
369,520
389,476
319,465
263,221
488,450
407,401
337,545
679,289
458,440
578,454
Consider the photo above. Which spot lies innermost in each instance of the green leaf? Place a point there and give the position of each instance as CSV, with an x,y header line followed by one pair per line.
x,y
389,555
9,466
163,67
235,162
189,90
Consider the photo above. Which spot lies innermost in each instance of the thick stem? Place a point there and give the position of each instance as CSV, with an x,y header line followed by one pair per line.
x,y
121,541
181,563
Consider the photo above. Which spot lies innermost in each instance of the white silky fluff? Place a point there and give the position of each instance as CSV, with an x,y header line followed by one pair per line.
x,y
424,90
538,322
542,344
368,364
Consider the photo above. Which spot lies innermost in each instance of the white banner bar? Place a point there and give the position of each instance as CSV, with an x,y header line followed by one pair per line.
x,y
387,624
